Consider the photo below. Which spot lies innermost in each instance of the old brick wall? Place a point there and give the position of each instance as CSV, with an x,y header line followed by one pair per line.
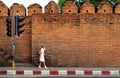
x,y
52,7
87,7
117,8
34,9
69,7
104,7
78,39
3,9
18,9
22,43
4,40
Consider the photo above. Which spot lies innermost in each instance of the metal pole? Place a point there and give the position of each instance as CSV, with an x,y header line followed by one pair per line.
x,y
13,42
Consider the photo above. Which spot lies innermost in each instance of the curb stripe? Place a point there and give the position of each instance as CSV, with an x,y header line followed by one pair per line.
x,y
36,72
62,72
11,72
114,72
88,72
3,72
97,72
19,72
70,72
105,72
45,72
28,72
80,72
53,72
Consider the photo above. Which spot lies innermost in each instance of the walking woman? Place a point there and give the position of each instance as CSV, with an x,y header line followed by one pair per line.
x,y
42,58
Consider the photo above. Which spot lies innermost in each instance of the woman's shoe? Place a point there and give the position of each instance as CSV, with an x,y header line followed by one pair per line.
x,y
46,67
40,67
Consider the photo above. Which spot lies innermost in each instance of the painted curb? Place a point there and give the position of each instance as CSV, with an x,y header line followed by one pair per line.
x,y
62,72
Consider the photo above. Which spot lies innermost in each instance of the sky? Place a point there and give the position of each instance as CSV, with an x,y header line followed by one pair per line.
x,y
26,3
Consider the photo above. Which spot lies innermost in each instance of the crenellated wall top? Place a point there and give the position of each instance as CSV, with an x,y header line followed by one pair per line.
x,y
52,7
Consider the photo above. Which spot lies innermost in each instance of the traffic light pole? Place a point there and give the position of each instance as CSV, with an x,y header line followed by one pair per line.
x,y
14,26
13,40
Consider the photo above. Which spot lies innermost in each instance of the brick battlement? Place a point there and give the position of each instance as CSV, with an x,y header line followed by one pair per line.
x,y
52,7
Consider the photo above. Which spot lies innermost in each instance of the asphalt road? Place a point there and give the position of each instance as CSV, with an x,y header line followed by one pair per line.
x,y
74,77
61,77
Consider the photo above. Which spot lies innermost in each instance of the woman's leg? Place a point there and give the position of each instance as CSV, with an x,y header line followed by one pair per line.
x,y
45,65
40,64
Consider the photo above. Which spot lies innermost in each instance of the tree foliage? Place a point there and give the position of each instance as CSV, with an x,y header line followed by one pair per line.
x,y
95,2
61,3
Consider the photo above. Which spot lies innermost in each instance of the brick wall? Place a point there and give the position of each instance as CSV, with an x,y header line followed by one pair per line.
x,y
3,9
69,7
23,43
87,7
34,9
104,7
18,9
117,8
52,7
72,41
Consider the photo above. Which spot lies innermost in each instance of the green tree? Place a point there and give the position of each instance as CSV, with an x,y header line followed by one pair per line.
x,y
114,2
61,3
95,2
78,2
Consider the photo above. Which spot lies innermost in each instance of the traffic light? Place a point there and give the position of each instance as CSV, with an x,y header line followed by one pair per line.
x,y
8,24
19,25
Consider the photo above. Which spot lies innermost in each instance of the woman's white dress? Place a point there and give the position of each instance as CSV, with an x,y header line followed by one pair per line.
x,y
42,59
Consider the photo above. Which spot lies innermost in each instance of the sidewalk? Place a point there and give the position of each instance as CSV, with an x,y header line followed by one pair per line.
x,y
60,71
61,68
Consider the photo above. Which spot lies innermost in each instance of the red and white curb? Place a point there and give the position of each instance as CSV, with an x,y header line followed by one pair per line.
x,y
62,72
